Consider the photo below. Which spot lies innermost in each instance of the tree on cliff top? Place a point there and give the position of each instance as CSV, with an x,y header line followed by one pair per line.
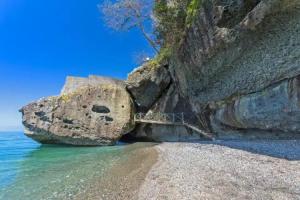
x,y
123,15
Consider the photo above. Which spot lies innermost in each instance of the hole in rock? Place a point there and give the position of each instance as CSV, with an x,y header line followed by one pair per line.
x,y
40,114
100,109
45,118
129,138
68,121
108,119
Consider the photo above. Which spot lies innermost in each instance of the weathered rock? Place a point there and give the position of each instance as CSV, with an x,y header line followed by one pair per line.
x,y
73,83
275,108
170,102
92,113
236,48
147,83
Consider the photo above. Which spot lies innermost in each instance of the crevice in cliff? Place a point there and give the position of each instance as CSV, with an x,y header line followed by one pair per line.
x,y
136,106
165,91
235,11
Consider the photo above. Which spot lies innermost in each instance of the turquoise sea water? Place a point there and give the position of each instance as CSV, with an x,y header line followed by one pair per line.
x,y
29,170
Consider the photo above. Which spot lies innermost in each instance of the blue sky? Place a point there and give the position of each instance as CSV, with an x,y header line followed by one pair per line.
x,y
41,42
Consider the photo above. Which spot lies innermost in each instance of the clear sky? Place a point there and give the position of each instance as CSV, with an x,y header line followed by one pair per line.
x,y
41,42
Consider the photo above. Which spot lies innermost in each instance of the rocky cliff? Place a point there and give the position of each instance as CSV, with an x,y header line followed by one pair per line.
x,y
235,74
231,59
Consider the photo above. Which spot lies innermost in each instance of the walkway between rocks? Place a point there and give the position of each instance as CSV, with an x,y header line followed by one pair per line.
x,y
175,119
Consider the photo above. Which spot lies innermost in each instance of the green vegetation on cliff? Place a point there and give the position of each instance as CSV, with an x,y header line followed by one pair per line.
x,y
191,12
173,18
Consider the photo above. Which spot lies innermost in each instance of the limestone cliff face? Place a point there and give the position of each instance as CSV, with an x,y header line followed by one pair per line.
x,y
239,49
274,109
219,60
92,111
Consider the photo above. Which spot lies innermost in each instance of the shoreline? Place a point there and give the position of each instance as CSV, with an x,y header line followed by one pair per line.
x,y
124,179
203,170
224,170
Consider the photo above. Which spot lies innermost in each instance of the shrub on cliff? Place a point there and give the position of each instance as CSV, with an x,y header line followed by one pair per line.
x,y
172,18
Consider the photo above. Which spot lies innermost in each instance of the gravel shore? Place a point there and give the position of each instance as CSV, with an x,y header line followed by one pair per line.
x,y
225,170
123,180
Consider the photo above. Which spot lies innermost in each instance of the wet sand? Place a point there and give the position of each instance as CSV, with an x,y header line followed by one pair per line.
x,y
124,179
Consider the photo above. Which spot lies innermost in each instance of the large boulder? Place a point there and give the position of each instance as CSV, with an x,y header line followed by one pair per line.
x,y
73,83
147,83
92,111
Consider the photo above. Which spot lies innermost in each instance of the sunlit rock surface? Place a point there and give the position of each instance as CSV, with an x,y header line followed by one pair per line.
x,y
274,109
94,111
240,48
147,83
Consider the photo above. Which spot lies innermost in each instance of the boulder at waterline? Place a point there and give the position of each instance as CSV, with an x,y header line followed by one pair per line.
x,y
92,114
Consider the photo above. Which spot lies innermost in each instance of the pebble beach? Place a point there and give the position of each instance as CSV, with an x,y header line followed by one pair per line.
x,y
224,170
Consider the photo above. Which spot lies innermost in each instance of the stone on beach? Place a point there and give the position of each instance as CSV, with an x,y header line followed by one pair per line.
x,y
98,111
